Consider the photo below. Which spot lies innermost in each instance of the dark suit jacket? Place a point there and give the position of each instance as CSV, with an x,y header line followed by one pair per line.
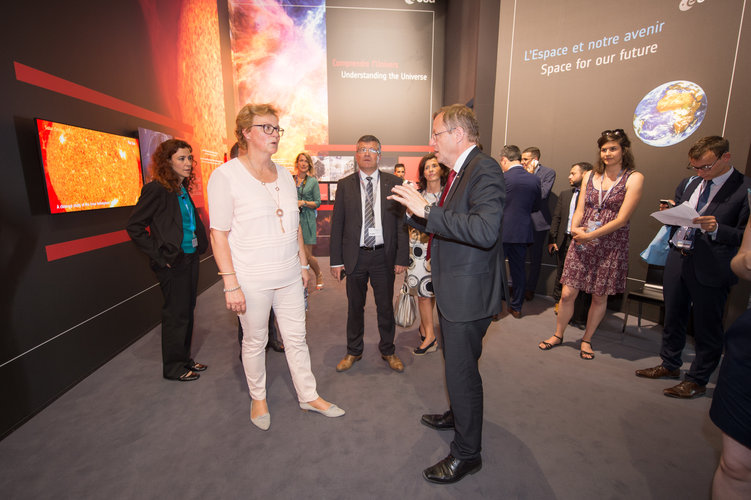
x,y
346,223
559,222
522,198
711,258
469,270
159,209
541,218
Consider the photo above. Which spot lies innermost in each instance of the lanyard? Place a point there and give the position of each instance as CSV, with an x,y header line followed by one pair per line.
x,y
602,200
188,208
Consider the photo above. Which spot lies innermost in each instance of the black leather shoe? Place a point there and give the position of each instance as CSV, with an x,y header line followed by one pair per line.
x,y
450,470
443,422
275,345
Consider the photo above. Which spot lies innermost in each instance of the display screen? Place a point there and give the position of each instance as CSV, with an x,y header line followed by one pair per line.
x,y
88,170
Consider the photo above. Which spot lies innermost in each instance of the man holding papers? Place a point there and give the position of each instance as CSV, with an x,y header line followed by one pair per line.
x,y
697,271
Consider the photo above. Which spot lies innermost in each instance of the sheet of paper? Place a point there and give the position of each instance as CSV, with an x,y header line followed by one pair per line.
x,y
681,215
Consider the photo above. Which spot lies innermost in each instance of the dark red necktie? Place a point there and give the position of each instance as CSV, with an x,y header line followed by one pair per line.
x,y
445,193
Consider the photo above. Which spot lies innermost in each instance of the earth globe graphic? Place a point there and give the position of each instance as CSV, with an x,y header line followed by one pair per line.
x,y
670,113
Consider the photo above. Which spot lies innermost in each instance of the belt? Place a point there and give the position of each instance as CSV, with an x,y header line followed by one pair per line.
x,y
371,249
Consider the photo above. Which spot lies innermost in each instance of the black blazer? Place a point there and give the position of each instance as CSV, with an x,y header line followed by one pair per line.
x,y
469,270
559,223
159,209
711,258
346,223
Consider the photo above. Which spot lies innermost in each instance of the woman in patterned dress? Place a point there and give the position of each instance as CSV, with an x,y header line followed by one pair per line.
x,y
432,177
597,259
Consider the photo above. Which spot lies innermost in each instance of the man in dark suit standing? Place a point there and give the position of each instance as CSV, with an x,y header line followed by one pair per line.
x,y
560,238
468,276
540,218
522,199
369,242
697,271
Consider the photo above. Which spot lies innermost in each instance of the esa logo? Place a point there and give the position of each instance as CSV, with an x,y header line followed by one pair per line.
x,y
411,2
687,4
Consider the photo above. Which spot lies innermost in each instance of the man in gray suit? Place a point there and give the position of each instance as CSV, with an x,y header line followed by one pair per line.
x,y
540,218
369,243
468,276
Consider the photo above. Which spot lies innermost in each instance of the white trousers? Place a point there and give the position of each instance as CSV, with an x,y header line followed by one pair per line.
x,y
289,306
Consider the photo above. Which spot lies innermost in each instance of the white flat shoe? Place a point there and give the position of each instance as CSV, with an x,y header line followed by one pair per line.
x,y
332,411
263,422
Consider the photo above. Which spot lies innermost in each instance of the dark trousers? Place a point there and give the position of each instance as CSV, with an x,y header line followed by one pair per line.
x,y
516,253
535,259
583,300
462,347
681,291
371,266
179,285
273,336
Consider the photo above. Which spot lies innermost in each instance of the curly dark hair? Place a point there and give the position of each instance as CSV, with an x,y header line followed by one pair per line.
x,y
161,165
422,183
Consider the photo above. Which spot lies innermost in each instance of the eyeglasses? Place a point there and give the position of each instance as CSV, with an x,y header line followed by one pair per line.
x,y
705,167
435,135
269,129
616,132
362,151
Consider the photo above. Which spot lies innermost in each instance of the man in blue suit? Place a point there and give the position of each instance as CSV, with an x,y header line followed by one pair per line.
x,y
540,218
523,195
697,272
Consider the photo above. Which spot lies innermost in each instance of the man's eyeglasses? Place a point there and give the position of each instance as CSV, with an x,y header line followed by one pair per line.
x,y
435,135
705,167
269,129
362,151
617,132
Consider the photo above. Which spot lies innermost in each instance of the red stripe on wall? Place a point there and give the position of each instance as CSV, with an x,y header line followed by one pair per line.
x,y
74,247
50,82
351,147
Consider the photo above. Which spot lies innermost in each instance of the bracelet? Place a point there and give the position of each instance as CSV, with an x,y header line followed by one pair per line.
x,y
305,267
226,290
226,274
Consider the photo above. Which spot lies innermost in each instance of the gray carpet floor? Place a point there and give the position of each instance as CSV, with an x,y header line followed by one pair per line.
x,y
555,426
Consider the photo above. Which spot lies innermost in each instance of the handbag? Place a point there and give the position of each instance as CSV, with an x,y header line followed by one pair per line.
x,y
404,308
656,252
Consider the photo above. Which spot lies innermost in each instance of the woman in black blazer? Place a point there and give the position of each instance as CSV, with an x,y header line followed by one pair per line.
x,y
175,238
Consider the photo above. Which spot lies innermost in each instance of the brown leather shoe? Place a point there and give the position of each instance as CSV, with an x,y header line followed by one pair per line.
x,y
685,390
529,295
394,362
347,362
659,372
516,314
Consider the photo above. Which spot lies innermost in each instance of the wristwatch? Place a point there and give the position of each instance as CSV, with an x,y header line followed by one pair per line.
x,y
427,210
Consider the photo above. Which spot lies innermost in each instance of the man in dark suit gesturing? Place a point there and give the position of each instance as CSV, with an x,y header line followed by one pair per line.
x,y
468,276
697,271
522,199
369,242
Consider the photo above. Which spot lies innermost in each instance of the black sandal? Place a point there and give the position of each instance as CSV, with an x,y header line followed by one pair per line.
x,y
548,346
586,355
188,376
198,367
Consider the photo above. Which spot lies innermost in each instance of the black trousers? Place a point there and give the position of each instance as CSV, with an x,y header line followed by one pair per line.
x,y
682,290
535,259
462,347
371,267
179,285
516,253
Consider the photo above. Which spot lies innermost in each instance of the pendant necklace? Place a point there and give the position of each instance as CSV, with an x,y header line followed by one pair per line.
x,y
279,211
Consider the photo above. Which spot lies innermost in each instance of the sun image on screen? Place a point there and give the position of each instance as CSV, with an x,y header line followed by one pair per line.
x,y
88,170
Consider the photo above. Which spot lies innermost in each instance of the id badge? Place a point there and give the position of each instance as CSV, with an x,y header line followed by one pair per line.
x,y
593,224
684,238
194,241
374,232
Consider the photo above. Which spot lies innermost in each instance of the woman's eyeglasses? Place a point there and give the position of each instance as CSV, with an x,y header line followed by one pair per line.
x,y
617,132
269,129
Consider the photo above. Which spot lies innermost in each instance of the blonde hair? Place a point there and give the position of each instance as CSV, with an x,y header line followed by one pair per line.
x,y
245,118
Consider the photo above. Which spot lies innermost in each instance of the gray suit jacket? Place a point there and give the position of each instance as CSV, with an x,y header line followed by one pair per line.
x,y
469,272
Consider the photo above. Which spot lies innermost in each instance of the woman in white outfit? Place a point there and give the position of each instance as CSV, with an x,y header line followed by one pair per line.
x,y
259,250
